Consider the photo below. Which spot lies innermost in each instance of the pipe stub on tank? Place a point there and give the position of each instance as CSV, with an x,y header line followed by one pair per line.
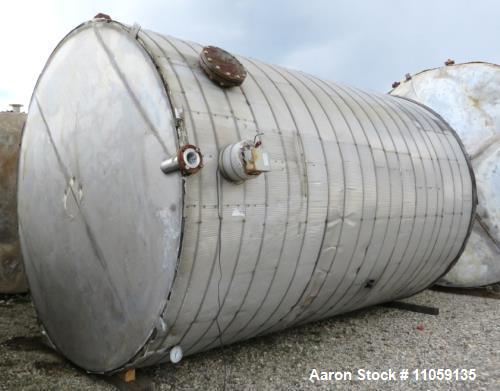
x,y
243,160
188,160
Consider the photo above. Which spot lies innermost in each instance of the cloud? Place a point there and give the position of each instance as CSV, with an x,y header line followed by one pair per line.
x,y
367,44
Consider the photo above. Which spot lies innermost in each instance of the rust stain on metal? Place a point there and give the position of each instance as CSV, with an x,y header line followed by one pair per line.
x,y
222,67
12,279
8,166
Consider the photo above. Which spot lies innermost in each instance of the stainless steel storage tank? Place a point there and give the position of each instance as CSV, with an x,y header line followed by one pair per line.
x,y
12,278
369,198
467,96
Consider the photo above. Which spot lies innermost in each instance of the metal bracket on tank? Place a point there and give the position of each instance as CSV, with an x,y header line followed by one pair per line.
x,y
180,125
134,31
188,160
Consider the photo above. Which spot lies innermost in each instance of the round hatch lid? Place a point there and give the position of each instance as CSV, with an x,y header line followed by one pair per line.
x,y
222,67
99,222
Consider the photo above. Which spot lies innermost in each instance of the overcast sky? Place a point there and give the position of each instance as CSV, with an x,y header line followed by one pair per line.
x,y
368,44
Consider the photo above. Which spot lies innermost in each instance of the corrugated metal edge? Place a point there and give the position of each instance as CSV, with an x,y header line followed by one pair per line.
x,y
473,180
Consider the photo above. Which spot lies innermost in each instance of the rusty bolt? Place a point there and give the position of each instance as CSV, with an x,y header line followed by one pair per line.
x,y
395,84
449,62
407,77
102,16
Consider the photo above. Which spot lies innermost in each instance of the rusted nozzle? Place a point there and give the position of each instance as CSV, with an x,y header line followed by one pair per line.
x,y
188,160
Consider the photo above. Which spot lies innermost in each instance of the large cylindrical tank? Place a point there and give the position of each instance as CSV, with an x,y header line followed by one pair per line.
x,y
12,278
369,198
468,97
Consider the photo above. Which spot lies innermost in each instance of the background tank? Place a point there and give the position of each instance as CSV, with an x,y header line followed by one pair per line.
x,y
468,97
12,278
369,198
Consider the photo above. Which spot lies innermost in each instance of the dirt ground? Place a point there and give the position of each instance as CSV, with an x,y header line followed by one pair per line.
x,y
465,335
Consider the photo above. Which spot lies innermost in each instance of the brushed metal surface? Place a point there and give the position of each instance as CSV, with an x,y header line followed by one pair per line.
x,y
12,278
466,95
369,199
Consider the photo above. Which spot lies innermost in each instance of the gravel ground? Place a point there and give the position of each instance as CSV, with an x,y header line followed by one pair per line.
x,y
466,334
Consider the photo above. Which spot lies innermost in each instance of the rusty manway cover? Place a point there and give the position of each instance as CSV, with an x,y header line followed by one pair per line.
x,y
12,279
222,67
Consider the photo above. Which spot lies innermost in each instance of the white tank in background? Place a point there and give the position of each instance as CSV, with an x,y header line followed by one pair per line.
x,y
467,96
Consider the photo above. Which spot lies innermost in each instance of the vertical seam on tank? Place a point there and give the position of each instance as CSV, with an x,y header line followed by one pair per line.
x,y
90,235
307,186
346,92
455,214
200,195
418,271
243,226
435,162
368,104
305,168
385,107
446,132
311,79
356,248
288,202
343,167
327,171
341,112
169,96
231,282
474,199
177,138
439,258
414,172
131,94
216,140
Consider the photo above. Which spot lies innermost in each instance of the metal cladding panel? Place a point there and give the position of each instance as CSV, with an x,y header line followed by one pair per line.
x,y
466,95
369,198
12,278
